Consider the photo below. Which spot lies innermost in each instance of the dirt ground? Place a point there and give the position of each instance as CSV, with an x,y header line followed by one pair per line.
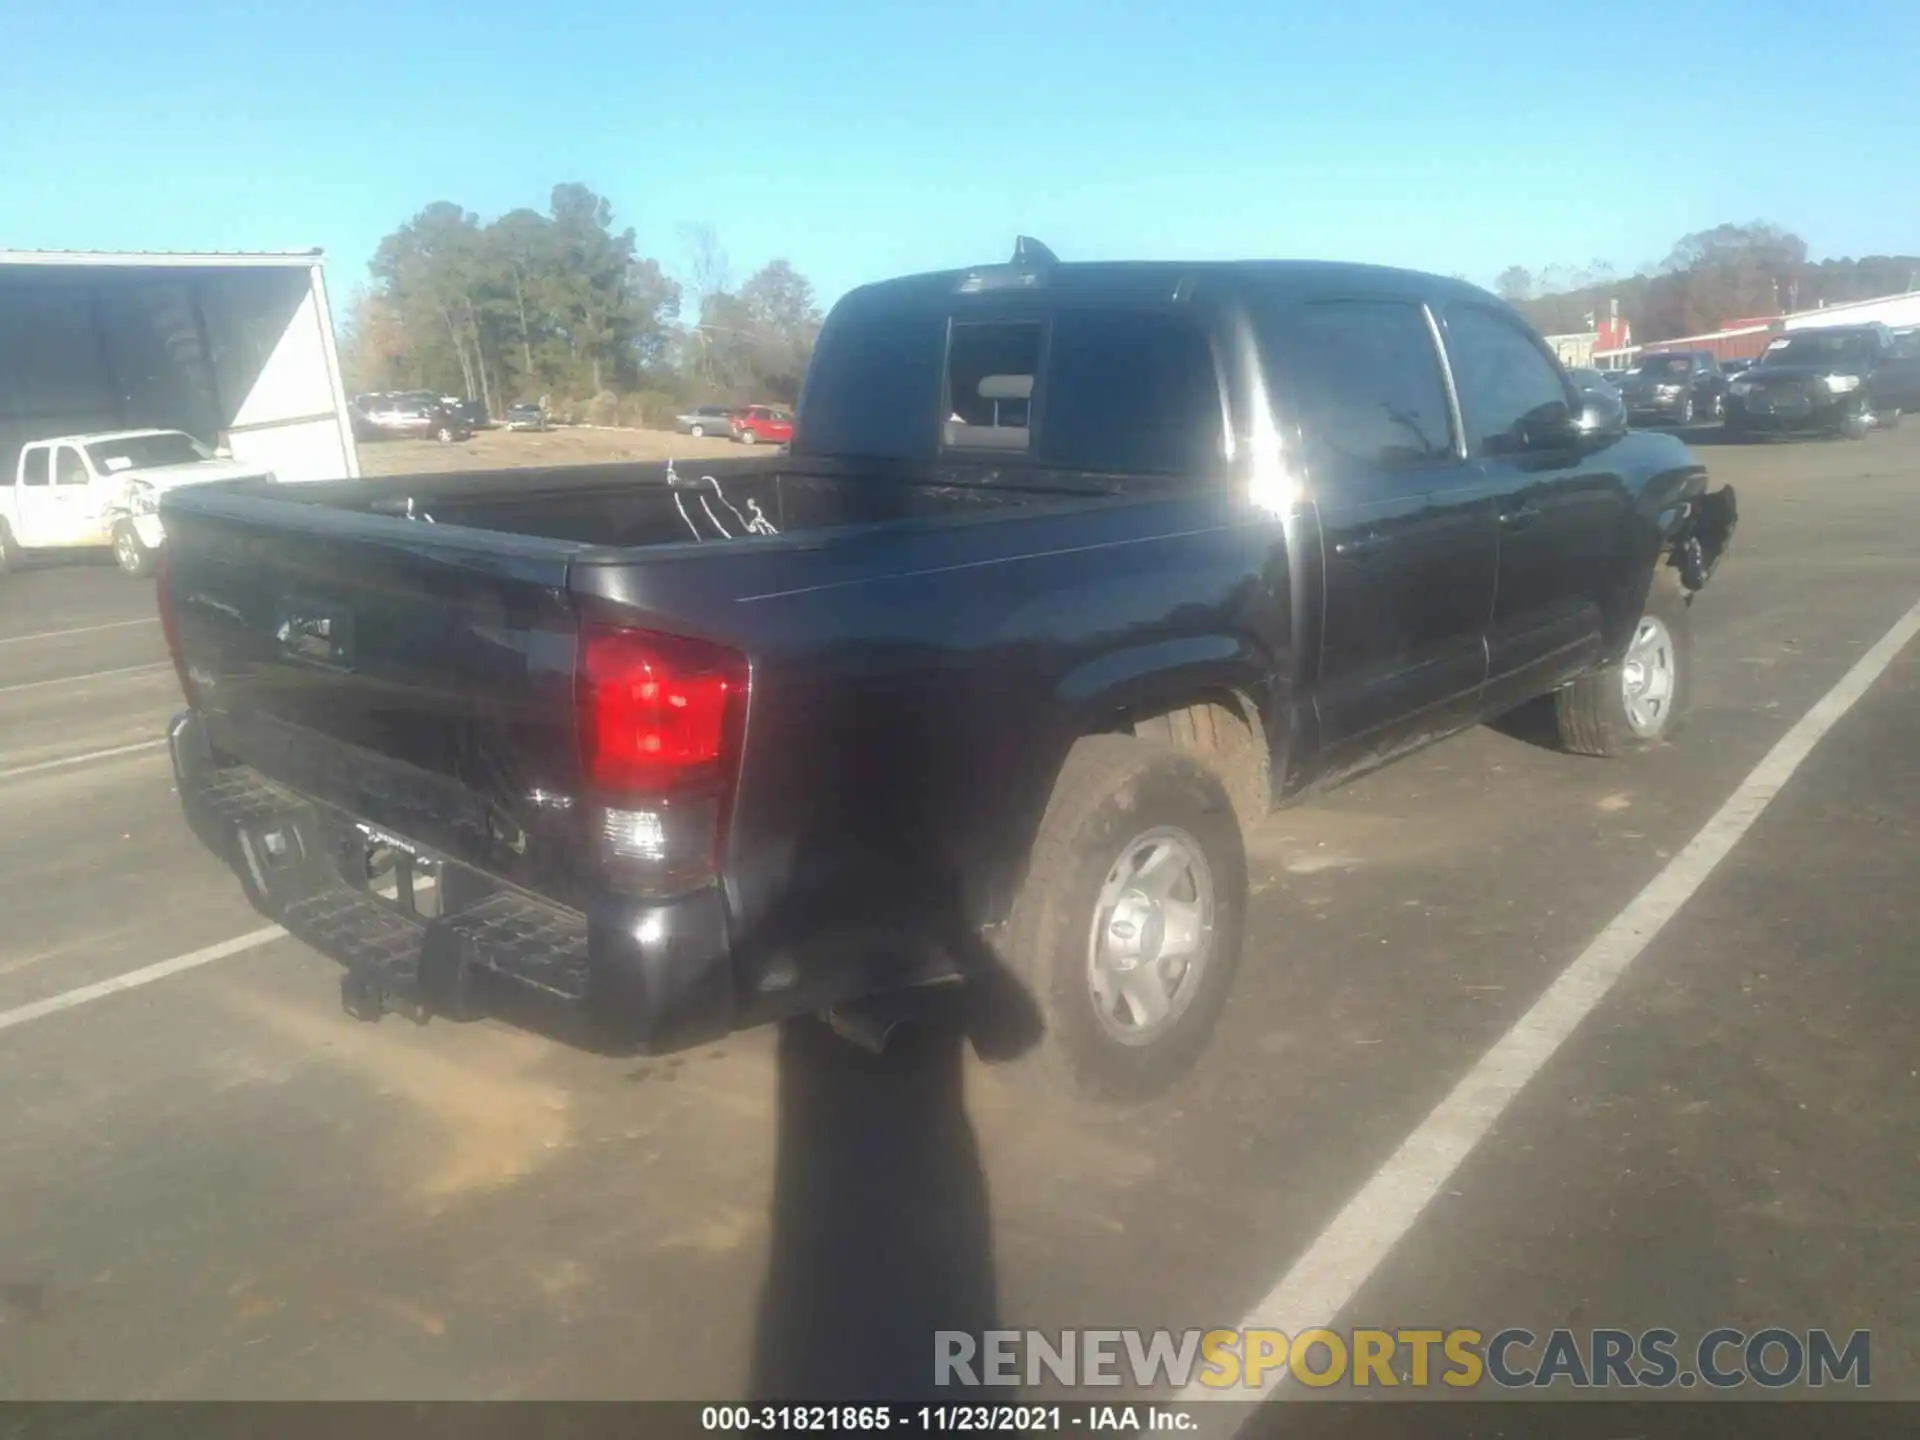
x,y
504,449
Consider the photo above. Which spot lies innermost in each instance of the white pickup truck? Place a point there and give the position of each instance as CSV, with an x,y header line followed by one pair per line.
x,y
86,491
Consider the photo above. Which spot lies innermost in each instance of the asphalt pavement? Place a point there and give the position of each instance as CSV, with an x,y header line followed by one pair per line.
x,y
216,1185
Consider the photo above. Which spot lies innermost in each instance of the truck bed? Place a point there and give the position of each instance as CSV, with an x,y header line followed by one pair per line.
x,y
402,662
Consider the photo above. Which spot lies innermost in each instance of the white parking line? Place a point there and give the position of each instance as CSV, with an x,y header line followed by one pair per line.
x,y
1324,1280
77,630
90,675
64,761
134,979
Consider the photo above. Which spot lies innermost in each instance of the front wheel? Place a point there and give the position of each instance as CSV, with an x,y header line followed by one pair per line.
x,y
9,549
1644,699
1127,928
130,552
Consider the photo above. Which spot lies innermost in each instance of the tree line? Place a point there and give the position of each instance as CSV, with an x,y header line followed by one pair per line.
x,y
562,307
1709,280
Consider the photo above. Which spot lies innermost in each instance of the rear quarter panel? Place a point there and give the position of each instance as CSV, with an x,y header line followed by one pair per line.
x,y
914,694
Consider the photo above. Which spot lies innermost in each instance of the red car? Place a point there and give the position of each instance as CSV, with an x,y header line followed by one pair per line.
x,y
767,423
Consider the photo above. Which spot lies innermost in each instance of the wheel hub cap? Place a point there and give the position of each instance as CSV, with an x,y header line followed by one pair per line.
x,y
1151,936
1648,678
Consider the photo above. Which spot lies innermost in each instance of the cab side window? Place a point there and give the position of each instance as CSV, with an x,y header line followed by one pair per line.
x,y
1511,395
36,471
69,468
1367,382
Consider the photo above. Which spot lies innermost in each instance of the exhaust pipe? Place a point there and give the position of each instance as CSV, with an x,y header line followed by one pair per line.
x,y
860,1024
876,1021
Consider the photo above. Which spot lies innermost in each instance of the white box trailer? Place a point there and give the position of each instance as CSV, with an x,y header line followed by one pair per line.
x,y
236,350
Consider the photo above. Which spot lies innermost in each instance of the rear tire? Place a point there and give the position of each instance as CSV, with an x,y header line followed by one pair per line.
x,y
1685,417
698,432
1139,848
130,552
444,435
747,437
1644,699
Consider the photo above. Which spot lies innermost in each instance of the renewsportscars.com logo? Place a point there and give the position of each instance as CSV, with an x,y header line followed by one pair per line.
x,y
1362,1358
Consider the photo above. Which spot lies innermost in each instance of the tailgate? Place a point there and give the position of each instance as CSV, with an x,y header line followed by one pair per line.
x,y
418,677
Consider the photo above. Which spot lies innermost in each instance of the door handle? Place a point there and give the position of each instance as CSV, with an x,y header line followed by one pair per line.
x,y
1361,547
1518,518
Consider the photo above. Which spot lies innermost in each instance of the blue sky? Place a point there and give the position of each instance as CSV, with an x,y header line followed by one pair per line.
x,y
871,137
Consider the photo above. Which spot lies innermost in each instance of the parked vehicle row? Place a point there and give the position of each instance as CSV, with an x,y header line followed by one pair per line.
x,y
749,424
413,414
1837,379
1071,571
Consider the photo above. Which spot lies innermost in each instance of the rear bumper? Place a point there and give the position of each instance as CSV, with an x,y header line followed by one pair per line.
x,y
627,976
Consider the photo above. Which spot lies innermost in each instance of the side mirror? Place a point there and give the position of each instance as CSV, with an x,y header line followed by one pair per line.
x,y
1600,417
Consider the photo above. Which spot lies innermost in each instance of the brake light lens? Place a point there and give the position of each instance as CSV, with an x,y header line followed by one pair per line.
x,y
659,714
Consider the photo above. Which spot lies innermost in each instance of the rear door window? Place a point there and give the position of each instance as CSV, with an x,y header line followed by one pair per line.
x,y
36,470
1365,382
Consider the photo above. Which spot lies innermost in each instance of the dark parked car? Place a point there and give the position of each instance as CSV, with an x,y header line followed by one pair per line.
x,y
412,415
706,420
1731,368
526,416
1836,379
1677,387
471,413
957,689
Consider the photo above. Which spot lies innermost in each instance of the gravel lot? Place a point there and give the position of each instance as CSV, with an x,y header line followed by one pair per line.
x,y
502,449
216,1185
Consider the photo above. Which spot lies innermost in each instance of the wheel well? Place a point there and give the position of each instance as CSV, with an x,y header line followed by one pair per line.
x,y
1222,730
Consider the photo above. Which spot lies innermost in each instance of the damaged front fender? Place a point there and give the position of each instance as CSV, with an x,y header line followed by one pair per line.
x,y
1704,535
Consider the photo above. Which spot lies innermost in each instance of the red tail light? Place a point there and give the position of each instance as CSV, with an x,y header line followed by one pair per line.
x,y
659,714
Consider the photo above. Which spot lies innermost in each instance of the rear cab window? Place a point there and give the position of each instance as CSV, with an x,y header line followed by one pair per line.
x,y
1098,389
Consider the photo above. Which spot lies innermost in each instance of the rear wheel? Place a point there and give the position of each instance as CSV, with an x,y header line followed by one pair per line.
x,y
1643,699
130,552
1127,929
444,435
698,432
747,437
1685,416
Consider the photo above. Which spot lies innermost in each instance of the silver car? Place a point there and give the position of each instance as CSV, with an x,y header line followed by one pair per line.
x,y
706,420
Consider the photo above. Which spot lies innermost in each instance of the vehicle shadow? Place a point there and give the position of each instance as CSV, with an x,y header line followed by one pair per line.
x,y
880,1230
1531,723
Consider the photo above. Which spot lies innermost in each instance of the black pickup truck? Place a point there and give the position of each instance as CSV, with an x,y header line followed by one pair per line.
x,y
1071,570
1833,379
